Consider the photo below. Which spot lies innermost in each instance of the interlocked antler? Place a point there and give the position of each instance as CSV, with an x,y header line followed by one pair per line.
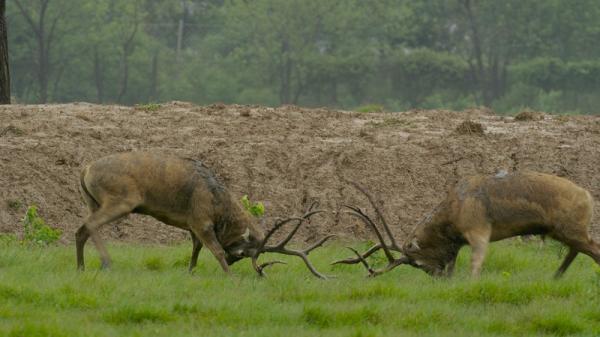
x,y
280,247
387,248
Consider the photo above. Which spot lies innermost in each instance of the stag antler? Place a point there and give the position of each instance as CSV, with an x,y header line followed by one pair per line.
x,y
387,248
280,247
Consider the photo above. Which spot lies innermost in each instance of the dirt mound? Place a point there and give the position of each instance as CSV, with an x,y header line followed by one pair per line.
x,y
286,157
469,127
528,115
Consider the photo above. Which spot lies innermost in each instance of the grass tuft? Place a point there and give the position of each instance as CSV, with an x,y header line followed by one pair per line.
x,y
154,263
136,315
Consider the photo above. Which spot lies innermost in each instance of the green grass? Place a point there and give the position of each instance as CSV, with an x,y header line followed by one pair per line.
x,y
148,292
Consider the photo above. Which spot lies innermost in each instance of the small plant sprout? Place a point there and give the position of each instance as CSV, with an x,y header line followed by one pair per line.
x,y
35,229
256,209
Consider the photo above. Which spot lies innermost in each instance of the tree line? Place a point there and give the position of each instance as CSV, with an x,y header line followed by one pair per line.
x,y
399,54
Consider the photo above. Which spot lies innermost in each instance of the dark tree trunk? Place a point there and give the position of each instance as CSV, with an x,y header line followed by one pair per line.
x,y
98,76
154,78
285,75
4,70
43,41
127,50
478,69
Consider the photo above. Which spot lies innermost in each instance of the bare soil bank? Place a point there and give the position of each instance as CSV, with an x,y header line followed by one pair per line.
x,y
286,157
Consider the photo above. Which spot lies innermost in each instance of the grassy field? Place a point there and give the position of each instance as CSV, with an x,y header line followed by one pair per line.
x,y
148,292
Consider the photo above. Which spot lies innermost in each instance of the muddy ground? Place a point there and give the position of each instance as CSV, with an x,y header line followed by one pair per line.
x,y
285,157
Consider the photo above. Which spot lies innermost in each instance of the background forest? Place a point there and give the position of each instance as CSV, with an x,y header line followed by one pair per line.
x,y
398,54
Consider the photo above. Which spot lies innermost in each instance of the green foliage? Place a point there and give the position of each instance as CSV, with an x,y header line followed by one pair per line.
x,y
370,108
419,73
35,230
404,54
256,209
7,238
148,107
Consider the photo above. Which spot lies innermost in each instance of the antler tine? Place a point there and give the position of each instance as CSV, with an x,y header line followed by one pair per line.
x,y
356,212
306,216
260,268
378,211
363,256
280,247
362,260
318,243
312,206
302,254
277,225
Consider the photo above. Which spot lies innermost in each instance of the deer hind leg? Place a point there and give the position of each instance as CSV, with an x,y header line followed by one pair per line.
x,y
101,216
566,263
197,245
205,232
578,242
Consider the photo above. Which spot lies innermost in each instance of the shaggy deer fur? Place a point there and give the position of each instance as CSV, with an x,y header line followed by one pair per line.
x,y
179,192
481,209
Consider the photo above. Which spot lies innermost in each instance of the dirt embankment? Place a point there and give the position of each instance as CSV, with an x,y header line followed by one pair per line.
x,y
285,157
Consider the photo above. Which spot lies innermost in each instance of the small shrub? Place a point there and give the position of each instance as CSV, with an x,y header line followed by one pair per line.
x,y
35,230
148,107
370,108
256,209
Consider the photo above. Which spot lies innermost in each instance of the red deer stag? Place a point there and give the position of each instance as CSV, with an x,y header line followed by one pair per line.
x,y
182,193
480,209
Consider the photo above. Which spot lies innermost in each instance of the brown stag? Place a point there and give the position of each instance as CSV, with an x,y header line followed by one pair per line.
x,y
481,209
182,193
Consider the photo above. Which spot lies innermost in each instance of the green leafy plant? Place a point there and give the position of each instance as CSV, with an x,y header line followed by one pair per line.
x,y
148,107
256,209
35,229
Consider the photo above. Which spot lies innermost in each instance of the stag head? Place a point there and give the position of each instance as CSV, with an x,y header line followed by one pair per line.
x,y
422,256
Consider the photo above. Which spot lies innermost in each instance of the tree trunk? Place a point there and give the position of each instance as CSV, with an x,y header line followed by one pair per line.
x,y
4,69
154,78
98,76
180,33
478,70
125,78
285,75
127,50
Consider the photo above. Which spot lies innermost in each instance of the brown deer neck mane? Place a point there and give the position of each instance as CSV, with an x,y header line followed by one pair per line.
x,y
435,236
230,220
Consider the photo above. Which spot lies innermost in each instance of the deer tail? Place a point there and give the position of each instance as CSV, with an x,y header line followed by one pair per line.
x,y
85,193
